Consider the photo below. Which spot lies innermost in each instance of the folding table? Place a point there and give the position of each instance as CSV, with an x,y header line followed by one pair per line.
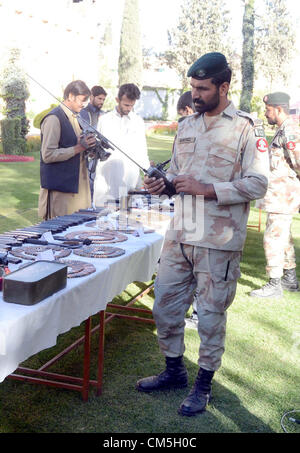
x,y
27,330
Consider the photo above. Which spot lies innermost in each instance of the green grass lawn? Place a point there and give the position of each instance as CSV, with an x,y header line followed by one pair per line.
x,y
258,381
19,189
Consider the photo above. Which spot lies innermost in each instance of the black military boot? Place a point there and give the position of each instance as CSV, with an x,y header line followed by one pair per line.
x,y
289,280
174,376
271,289
199,396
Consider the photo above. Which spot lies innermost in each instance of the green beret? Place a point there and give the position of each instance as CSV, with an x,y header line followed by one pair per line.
x,y
277,98
208,66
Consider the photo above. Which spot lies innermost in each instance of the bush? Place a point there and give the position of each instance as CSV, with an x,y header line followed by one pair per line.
x,y
33,143
38,118
14,91
164,129
12,142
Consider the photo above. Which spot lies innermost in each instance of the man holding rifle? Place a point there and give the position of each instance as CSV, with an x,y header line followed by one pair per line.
x,y
64,176
220,158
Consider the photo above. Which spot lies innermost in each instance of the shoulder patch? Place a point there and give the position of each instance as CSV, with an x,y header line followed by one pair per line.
x,y
259,130
262,145
291,145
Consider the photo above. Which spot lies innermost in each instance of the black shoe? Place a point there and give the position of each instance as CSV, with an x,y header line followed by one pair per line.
x,y
199,396
271,289
289,280
174,376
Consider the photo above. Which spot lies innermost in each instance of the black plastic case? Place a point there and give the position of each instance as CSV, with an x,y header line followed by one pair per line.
x,y
34,282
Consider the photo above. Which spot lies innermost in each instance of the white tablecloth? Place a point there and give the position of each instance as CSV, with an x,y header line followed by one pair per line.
x,y
26,330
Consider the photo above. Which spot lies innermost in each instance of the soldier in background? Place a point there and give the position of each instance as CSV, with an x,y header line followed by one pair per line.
x,y
282,199
185,105
219,164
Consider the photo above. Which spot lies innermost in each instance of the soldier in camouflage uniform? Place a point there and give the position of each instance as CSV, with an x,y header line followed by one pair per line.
x,y
220,163
282,199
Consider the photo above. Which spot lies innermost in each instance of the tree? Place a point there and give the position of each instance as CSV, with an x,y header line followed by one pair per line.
x,y
247,65
14,92
108,78
14,89
275,42
202,27
130,59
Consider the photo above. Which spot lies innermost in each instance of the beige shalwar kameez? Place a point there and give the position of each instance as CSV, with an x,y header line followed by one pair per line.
x,y
51,202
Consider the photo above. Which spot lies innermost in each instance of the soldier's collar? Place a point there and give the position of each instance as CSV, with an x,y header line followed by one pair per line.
x,y
230,111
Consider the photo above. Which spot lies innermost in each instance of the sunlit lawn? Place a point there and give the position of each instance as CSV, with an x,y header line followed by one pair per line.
x,y
258,381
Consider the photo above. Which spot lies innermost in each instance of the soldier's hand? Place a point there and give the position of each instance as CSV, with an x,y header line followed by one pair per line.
x,y
189,185
186,184
153,185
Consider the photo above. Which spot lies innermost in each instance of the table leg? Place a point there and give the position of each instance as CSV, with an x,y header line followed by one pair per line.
x,y
100,352
87,360
259,220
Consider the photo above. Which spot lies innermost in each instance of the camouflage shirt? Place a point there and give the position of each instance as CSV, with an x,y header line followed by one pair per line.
x,y
283,195
231,153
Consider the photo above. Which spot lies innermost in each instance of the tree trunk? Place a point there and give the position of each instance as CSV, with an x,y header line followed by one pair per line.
x,y
248,56
131,59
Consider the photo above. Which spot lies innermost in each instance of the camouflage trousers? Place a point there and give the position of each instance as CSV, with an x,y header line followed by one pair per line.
x,y
211,275
278,244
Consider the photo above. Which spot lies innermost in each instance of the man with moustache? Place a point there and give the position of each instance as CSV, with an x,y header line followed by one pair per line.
x,y
63,173
220,157
282,199
90,114
125,129
93,110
